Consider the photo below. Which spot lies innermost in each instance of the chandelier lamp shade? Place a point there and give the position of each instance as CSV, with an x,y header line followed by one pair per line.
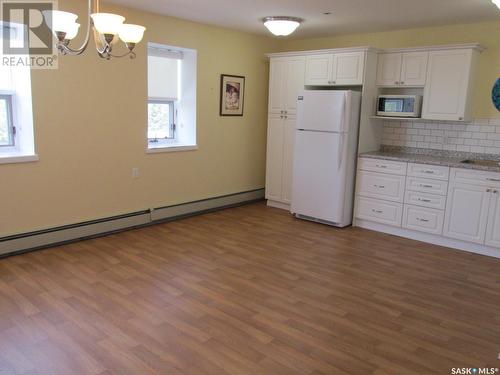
x,y
282,25
106,27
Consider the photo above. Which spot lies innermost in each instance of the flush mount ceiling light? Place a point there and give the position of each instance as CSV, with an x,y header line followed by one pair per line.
x,y
104,25
496,2
282,26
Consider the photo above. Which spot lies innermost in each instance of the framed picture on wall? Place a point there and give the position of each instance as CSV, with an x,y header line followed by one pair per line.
x,y
232,95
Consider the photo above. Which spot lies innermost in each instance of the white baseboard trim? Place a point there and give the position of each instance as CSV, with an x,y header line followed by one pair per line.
x,y
21,243
430,238
280,205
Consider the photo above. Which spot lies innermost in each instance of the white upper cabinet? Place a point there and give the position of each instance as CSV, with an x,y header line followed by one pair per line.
x,y
414,68
294,82
286,78
338,69
449,79
276,77
407,69
348,68
389,69
318,70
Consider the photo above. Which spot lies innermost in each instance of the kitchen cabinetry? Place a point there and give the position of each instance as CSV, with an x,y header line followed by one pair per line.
x,y
450,77
454,207
335,69
406,69
279,158
467,212
286,78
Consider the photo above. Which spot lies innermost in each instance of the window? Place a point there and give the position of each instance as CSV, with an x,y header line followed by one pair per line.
x,y
161,120
172,98
7,130
16,112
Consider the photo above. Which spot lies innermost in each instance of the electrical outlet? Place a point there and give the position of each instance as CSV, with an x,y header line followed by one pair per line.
x,y
135,173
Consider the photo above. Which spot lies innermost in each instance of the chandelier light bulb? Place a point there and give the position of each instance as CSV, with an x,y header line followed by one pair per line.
x,y
61,22
282,26
131,33
73,32
107,23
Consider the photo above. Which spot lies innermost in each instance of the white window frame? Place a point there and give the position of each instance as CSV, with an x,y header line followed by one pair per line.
x,y
22,147
185,109
11,128
156,142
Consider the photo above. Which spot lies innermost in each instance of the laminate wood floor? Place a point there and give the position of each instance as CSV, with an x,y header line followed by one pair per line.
x,y
248,290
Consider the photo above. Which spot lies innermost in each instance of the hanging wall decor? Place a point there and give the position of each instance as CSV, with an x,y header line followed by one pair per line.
x,y
495,94
232,95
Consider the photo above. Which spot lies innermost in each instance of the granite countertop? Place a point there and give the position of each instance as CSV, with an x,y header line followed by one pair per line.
x,y
435,157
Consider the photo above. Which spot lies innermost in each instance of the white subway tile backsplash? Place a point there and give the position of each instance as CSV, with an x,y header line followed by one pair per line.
x,y
482,135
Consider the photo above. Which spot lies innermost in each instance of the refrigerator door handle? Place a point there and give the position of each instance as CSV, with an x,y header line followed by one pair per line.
x,y
341,151
343,113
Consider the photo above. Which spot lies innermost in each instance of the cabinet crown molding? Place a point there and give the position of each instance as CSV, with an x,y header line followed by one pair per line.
x,y
475,46
323,51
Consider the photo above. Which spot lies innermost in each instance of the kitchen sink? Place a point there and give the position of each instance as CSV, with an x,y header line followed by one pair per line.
x,y
483,162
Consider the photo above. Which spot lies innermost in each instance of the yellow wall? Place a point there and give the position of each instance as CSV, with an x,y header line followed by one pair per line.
x,y
90,120
487,34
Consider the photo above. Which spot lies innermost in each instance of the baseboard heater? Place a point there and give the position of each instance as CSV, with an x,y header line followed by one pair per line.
x,y
21,243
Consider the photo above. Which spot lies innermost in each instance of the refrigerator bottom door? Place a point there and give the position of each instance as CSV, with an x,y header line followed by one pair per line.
x,y
319,176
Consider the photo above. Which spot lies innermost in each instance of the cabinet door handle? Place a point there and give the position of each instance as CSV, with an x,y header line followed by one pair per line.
x,y
402,82
493,179
460,118
333,82
381,166
426,186
424,200
422,220
396,83
428,171
380,186
377,211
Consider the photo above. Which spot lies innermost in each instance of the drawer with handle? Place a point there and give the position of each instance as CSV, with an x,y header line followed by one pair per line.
x,y
483,178
428,171
423,219
426,185
389,213
384,166
417,198
381,186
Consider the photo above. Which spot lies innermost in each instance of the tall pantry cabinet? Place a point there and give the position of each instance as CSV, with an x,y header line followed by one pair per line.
x,y
286,78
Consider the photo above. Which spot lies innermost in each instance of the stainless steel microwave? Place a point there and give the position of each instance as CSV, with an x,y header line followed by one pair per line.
x,y
399,105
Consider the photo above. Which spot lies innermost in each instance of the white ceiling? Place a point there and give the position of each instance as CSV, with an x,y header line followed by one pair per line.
x,y
347,16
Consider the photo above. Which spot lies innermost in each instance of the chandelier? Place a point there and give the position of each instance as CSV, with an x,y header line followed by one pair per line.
x,y
105,26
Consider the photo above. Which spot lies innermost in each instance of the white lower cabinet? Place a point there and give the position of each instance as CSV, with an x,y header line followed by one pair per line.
x,y
423,219
279,158
462,212
384,212
381,186
467,212
493,226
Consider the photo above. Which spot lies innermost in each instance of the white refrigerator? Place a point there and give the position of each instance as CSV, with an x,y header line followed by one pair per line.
x,y
326,140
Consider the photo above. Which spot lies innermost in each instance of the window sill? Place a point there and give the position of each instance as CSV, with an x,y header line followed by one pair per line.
x,y
11,159
171,148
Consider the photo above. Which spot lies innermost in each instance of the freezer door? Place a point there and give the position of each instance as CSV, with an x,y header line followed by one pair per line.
x,y
322,110
319,175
